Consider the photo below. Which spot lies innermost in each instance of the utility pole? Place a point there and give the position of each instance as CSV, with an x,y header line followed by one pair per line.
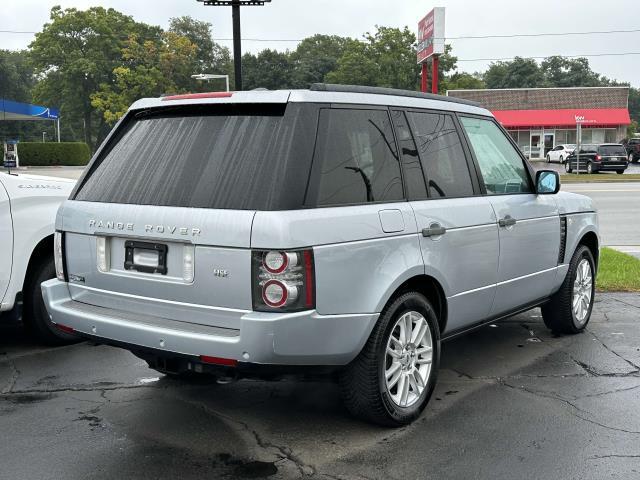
x,y
237,39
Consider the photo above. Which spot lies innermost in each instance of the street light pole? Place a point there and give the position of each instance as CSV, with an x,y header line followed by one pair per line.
x,y
237,39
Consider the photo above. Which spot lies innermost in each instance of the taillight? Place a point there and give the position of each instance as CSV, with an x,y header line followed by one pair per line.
x,y
58,256
598,158
283,281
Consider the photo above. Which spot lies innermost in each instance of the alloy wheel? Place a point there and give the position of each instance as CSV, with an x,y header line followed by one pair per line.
x,y
582,291
408,359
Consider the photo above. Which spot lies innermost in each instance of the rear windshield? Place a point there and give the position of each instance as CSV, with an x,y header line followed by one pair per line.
x,y
612,150
246,157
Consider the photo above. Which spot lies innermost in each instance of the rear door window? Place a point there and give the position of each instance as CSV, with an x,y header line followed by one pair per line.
x,y
355,160
442,156
503,170
246,157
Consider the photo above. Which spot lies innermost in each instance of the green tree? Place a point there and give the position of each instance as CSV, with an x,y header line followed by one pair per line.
x,y
462,81
150,68
316,56
517,73
210,57
570,72
16,76
386,58
268,69
355,67
76,53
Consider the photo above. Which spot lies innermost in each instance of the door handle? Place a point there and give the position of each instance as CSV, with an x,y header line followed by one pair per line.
x,y
507,221
434,230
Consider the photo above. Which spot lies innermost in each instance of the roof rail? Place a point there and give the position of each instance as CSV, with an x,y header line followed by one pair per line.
x,y
331,87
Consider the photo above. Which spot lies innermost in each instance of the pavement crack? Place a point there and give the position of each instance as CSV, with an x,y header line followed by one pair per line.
x,y
628,362
284,452
15,373
96,388
596,457
623,302
574,409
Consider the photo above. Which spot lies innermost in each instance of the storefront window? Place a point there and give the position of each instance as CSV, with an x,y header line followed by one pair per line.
x,y
571,137
610,135
597,135
586,135
523,141
561,137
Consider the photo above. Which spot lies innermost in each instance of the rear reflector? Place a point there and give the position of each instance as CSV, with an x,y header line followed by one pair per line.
x,y
64,328
227,362
192,96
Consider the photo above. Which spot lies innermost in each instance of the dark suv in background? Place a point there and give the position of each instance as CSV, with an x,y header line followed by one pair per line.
x,y
605,157
632,147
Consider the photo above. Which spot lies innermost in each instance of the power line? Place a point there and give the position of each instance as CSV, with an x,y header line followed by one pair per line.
x,y
464,37
621,54
550,34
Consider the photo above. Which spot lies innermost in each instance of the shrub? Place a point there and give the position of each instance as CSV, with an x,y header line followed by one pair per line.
x,y
53,153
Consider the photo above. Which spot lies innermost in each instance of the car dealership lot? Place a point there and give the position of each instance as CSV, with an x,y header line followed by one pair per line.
x,y
511,399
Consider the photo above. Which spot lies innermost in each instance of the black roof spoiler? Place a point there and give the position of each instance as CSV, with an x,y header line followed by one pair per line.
x,y
331,87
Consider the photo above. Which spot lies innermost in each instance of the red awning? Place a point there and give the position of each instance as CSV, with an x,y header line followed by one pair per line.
x,y
563,118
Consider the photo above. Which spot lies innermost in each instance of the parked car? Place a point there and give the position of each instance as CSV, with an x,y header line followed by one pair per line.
x,y
605,157
560,152
337,229
632,147
28,206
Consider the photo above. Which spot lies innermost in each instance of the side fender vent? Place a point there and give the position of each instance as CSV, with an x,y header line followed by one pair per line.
x,y
563,239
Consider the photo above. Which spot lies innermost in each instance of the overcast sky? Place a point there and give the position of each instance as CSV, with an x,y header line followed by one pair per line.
x,y
294,19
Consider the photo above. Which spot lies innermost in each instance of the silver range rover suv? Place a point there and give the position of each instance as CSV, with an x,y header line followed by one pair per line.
x,y
337,229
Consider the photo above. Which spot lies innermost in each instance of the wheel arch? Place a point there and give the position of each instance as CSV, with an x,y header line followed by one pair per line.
x,y
431,289
42,250
590,240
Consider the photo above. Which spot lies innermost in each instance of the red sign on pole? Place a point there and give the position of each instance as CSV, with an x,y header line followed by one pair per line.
x,y
431,34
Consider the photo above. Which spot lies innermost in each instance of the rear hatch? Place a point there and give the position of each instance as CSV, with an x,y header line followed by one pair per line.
x,y
161,223
613,154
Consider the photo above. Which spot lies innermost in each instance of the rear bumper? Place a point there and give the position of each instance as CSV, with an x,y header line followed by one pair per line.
x,y
609,166
295,339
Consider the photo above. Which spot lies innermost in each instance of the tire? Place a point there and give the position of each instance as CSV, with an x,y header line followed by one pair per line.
x,y
35,316
558,313
619,172
367,393
590,168
567,167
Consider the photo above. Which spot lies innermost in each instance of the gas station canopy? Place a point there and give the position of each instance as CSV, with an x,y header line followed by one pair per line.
x,y
10,110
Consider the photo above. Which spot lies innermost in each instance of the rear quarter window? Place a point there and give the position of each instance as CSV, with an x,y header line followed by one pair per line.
x,y
355,160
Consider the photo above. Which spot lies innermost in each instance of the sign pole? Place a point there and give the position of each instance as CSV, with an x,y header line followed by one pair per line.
x,y
434,73
579,143
423,86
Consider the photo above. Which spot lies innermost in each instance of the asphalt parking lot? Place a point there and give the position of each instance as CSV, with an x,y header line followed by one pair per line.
x,y
512,401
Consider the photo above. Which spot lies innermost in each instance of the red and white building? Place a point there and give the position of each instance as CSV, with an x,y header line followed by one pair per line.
x,y
538,119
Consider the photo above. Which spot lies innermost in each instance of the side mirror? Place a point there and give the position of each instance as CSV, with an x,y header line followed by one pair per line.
x,y
547,182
